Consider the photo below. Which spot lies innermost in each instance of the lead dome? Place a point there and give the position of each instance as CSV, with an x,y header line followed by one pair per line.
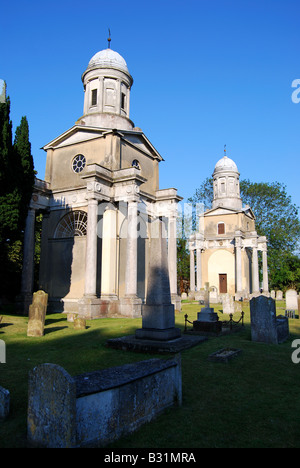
x,y
225,164
108,58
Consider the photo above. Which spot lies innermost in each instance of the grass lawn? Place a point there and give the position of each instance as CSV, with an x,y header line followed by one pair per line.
x,y
251,401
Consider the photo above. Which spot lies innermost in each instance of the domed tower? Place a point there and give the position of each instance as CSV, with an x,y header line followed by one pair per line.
x,y
107,83
226,185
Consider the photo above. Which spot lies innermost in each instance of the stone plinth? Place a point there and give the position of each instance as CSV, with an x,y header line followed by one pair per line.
x,y
207,321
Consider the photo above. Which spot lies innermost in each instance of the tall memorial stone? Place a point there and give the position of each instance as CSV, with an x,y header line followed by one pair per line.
x,y
158,315
265,326
37,314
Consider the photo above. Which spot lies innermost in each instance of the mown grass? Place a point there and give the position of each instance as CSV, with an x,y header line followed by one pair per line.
x,y
251,401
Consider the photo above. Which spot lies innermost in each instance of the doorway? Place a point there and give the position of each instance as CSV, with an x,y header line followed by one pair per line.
x,y
223,283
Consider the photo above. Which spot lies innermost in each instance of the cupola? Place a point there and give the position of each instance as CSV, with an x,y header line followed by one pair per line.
x,y
107,83
226,184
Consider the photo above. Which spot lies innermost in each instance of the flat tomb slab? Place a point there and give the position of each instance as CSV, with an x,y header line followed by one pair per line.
x,y
105,379
131,343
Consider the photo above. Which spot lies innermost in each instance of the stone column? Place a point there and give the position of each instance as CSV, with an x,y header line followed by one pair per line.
x,y
199,269
192,270
238,267
109,254
91,249
131,254
172,255
265,271
255,274
28,260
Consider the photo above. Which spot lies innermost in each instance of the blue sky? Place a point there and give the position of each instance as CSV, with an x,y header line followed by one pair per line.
x,y
206,73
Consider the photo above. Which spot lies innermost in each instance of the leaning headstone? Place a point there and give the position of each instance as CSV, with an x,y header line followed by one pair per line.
x,y
265,326
291,300
51,417
228,304
158,315
4,403
37,314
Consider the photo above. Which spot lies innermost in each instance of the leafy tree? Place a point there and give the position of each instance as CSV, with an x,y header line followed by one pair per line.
x,y
16,184
276,218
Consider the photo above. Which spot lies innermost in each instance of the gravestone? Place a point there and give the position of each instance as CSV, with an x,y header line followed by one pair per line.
x,y
228,304
80,323
213,295
158,314
265,326
207,319
51,412
238,306
291,300
279,295
37,314
184,296
273,293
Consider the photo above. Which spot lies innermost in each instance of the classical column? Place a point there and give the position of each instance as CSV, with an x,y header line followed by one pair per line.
x,y
91,249
109,254
192,270
238,265
255,274
172,255
265,271
199,268
131,254
28,255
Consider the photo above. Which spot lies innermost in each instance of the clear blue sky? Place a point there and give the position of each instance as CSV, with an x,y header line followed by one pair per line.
x,y
206,73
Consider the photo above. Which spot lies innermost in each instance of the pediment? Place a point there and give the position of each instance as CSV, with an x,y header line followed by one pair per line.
x,y
80,133
76,134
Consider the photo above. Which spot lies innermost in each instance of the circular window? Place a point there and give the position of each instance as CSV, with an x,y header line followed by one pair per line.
x,y
78,163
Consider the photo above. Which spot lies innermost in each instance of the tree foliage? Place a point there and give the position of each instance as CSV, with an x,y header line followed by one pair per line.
x,y
16,184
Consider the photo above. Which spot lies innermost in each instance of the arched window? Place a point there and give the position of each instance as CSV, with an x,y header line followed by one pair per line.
x,y
71,225
136,164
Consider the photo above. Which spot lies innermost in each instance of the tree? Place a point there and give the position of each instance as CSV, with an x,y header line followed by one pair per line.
x,y
16,184
24,168
276,218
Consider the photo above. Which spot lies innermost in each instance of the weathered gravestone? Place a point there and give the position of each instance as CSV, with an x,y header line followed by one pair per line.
x,y
37,314
80,323
265,326
279,295
291,300
273,294
228,304
51,417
